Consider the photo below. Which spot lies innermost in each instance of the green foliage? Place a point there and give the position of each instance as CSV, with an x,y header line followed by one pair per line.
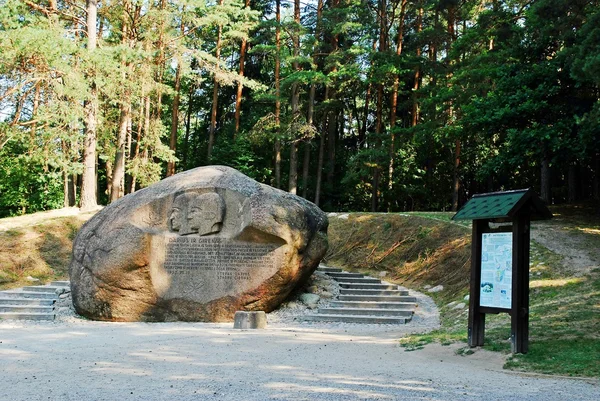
x,y
26,184
414,107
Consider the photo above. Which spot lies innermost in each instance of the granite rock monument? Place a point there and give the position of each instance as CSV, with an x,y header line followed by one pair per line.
x,y
197,246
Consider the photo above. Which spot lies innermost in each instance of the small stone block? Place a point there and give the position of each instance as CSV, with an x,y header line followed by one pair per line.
x,y
250,320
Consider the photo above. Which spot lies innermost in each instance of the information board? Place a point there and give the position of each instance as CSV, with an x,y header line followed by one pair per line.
x,y
496,270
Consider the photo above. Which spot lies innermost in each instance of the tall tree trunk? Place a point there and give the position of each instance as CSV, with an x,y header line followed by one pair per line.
x,y
332,122
89,184
238,96
65,189
127,179
117,190
215,98
160,62
73,178
394,104
596,183
306,168
456,185
188,127
417,80
146,128
277,94
451,116
293,179
66,200
545,179
174,119
572,182
379,110
362,131
332,116
36,105
321,154
311,103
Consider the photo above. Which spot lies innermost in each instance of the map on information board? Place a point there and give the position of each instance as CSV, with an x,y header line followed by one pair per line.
x,y
496,270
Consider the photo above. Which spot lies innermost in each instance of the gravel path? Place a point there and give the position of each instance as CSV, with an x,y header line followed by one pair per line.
x,y
84,360
75,359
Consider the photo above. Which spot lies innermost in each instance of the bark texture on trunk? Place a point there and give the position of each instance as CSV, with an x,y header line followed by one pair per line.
x,y
88,184
456,179
321,155
277,94
293,177
572,180
417,78
545,176
394,102
174,119
238,96
215,97
118,176
596,183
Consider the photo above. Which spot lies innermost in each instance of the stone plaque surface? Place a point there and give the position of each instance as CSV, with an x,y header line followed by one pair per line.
x,y
197,246
203,269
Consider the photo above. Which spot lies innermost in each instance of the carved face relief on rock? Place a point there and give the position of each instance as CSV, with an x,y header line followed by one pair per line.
x,y
176,218
205,213
197,214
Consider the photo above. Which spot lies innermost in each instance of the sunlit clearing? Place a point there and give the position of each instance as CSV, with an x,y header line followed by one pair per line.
x,y
109,367
555,283
321,390
413,386
594,231
364,218
15,354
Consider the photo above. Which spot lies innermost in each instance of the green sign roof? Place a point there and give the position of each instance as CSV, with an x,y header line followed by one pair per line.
x,y
498,205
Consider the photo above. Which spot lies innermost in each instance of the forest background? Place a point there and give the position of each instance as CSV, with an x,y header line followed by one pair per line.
x,y
381,105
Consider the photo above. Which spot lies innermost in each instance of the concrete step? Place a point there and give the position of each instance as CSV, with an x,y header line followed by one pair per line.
x,y
355,319
363,286
41,288
363,280
351,291
373,305
26,309
325,269
26,301
28,294
367,311
60,283
26,316
345,275
377,298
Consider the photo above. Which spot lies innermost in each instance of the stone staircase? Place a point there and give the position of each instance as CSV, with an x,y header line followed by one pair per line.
x,y
366,300
34,302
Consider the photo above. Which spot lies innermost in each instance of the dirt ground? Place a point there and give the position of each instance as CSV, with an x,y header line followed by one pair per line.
x,y
198,361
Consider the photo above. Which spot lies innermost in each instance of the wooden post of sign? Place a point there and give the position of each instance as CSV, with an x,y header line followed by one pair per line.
x,y
476,328
520,285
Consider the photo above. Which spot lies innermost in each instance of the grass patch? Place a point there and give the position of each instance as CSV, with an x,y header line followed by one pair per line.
x,y
420,249
557,357
443,337
42,251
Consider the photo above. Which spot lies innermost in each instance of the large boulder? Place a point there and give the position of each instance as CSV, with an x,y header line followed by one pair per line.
x,y
197,246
